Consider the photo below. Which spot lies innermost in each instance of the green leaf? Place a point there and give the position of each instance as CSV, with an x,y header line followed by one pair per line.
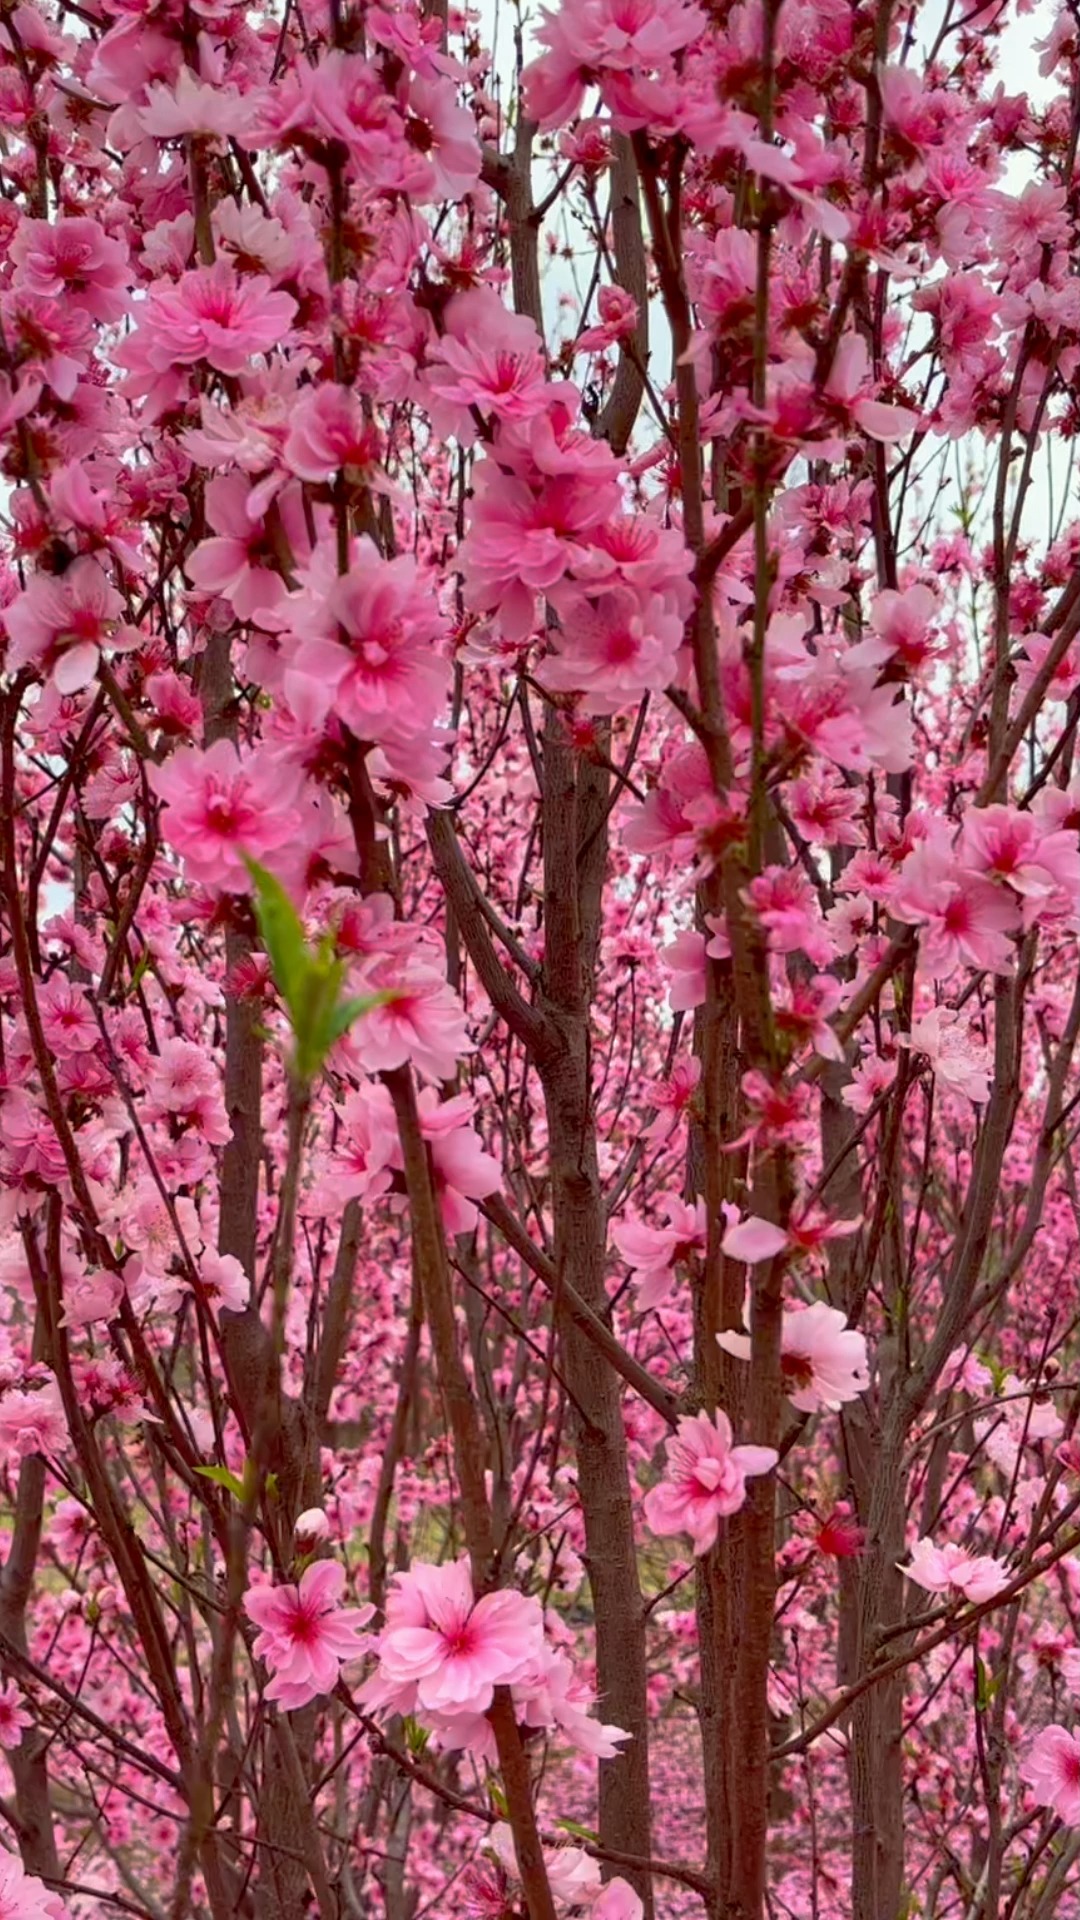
x,y
282,935
579,1832
498,1799
221,1477
348,1011
416,1736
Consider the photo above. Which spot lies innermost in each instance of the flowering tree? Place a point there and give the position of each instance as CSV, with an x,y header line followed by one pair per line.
x,y
539,942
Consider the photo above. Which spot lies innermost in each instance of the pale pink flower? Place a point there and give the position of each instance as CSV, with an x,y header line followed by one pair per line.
x,y
22,1897
446,135
654,1252
445,1652
823,1360
92,1297
212,314
957,1061
1006,844
224,803
389,681
572,1874
305,1634
224,1281
73,260
424,1021
617,1901
949,1569
869,1080
463,1172
67,1017
672,1097
902,627
13,1717
311,1527
705,1479
189,106
588,39
1051,1768
32,1422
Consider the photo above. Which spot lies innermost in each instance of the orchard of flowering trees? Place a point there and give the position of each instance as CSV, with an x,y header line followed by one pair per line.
x,y
539,960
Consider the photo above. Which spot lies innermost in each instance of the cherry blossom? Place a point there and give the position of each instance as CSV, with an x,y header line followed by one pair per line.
x,y
706,1479
1051,1768
823,1360
949,1569
305,1634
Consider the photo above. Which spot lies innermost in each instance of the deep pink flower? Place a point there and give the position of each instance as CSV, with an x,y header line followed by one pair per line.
x,y
613,649
965,920
73,260
212,314
222,804
13,1718
305,1634
1051,1768
61,623
705,1479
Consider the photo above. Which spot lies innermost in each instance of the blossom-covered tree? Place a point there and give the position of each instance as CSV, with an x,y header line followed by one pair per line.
x,y
539,942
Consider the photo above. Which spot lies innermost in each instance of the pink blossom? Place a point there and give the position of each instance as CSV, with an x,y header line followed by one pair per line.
x,y
443,1651
327,434
22,1897
424,1021
1051,1768
949,1569
902,627
61,623
188,106
612,650
239,561
705,1479
654,1252
487,358
224,803
463,1172
13,1717
305,1634
617,1901
73,260
32,1422
965,920
823,1360
212,314
224,1281
601,37
572,1874
1008,845
957,1061
618,318
311,1527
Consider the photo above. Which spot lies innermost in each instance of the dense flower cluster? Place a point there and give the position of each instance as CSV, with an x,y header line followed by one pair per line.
x,y
539,931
